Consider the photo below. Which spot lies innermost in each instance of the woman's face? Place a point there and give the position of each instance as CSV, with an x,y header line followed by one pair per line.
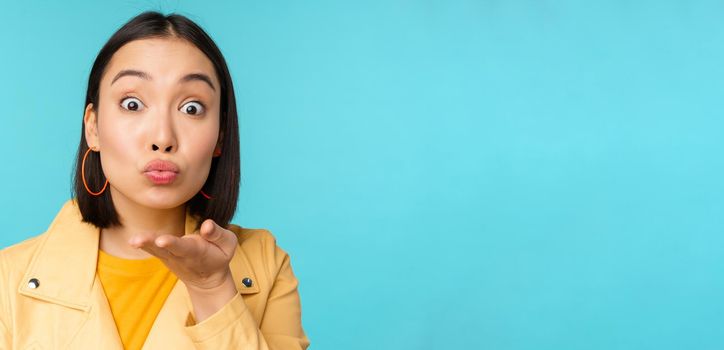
x,y
159,99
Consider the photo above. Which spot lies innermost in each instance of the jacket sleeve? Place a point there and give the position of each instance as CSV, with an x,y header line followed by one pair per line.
x,y
5,336
233,327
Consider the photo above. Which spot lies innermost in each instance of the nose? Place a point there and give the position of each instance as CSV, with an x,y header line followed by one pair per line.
x,y
155,147
162,135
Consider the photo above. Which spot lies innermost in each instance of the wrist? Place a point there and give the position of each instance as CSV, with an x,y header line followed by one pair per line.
x,y
207,301
212,285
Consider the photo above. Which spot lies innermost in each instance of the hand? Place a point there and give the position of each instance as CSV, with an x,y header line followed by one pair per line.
x,y
200,260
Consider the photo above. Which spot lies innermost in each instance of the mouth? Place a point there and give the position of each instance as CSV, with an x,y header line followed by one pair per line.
x,y
161,172
160,177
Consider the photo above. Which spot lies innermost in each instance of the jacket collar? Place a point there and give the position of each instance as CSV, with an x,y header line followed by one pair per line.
x,y
64,264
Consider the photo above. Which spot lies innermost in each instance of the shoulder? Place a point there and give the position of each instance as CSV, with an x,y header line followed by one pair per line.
x,y
14,260
254,239
259,246
18,256
252,236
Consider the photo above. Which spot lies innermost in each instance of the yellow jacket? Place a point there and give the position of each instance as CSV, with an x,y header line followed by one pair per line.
x,y
67,308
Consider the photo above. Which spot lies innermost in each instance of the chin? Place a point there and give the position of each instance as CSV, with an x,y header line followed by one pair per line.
x,y
163,199
156,197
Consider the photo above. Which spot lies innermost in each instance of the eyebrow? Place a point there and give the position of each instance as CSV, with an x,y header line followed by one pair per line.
x,y
200,77
143,75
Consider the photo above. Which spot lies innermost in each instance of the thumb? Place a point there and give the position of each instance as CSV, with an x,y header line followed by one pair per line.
x,y
218,235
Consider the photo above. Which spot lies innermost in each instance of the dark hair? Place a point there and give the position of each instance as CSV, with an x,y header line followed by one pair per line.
x,y
223,180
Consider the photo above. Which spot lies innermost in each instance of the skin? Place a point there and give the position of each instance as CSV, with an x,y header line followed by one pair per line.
x,y
139,119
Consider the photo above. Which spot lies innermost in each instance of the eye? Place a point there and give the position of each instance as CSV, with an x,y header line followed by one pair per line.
x,y
193,108
131,104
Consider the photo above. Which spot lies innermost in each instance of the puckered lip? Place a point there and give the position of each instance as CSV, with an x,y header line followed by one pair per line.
x,y
161,165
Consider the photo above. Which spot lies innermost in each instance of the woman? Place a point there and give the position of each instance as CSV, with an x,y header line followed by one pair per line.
x,y
144,256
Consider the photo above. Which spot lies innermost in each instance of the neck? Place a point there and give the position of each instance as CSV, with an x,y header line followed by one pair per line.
x,y
135,219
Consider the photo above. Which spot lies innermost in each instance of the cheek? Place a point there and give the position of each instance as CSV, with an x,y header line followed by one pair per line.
x,y
199,149
117,143
197,143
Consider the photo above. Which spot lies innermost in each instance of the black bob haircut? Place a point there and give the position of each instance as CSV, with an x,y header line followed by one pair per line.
x,y
223,180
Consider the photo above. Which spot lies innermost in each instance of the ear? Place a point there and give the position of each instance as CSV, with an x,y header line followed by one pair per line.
x,y
90,121
217,150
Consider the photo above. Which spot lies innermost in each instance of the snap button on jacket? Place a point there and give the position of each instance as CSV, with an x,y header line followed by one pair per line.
x,y
65,306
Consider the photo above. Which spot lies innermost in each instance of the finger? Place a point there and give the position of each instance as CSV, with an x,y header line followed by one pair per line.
x,y
223,238
178,246
157,251
146,242
138,240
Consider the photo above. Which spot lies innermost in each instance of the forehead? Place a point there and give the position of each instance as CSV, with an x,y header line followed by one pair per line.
x,y
164,59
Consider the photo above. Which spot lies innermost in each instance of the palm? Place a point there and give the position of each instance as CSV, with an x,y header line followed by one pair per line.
x,y
199,260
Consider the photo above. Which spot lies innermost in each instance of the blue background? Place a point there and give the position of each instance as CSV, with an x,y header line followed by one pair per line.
x,y
444,174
